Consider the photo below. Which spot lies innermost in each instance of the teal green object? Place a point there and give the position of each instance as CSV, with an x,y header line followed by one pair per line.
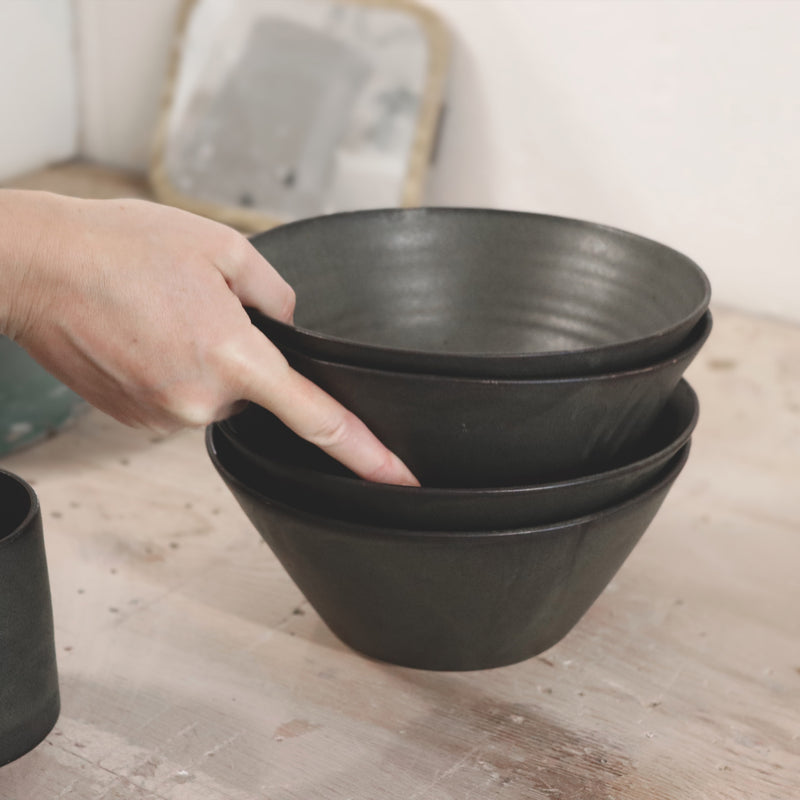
x,y
33,404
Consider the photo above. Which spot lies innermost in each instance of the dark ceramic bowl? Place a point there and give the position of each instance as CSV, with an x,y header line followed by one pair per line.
x,y
481,293
448,600
466,432
283,464
29,695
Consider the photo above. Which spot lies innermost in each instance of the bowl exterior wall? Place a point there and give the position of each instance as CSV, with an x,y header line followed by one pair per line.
x,y
471,433
451,601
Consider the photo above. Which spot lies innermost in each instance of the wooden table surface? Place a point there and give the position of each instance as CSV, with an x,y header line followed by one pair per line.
x,y
191,666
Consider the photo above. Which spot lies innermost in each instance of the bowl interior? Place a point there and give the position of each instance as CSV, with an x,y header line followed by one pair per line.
x,y
474,291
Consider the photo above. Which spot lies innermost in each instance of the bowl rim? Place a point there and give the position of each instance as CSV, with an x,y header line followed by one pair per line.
x,y
412,493
688,349
360,351
663,481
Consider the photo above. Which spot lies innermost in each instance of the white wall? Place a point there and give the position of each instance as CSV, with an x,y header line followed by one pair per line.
x,y
678,120
124,47
38,112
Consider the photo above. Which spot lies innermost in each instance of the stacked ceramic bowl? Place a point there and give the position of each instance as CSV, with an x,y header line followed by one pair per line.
x,y
527,368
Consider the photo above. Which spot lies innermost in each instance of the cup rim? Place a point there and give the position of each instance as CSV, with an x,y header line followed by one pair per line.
x,y
30,515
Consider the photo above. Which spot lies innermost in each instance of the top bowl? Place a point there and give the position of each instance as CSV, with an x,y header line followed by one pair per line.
x,y
480,293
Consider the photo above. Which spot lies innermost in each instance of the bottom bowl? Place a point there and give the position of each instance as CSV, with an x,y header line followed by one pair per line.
x,y
440,599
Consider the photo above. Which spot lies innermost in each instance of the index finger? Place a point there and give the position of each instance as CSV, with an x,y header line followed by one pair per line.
x,y
267,379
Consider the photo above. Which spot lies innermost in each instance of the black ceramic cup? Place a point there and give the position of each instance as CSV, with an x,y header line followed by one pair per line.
x,y
29,694
280,462
448,600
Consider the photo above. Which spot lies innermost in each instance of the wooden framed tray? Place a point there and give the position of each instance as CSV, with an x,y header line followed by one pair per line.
x,y
277,110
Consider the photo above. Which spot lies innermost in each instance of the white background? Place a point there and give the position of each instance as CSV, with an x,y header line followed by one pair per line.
x,y
676,119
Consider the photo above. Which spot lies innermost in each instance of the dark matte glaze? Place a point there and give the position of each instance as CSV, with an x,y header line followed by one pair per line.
x,y
465,432
29,696
277,460
481,293
446,600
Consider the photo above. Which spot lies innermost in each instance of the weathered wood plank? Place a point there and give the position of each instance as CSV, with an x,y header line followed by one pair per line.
x,y
192,667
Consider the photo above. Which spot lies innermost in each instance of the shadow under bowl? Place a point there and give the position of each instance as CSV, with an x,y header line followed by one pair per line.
x,y
480,293
29,693
467,432
448,600
278,461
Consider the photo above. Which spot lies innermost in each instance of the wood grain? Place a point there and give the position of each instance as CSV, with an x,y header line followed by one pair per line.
x,y
191,667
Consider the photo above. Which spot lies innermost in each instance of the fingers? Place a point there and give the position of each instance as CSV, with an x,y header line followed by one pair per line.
x,y
315,415
300,404
255,282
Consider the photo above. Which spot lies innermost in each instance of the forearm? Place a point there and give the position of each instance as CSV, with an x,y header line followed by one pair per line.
x,y
30,232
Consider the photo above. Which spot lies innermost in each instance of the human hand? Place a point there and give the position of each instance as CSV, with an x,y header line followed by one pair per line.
x,y
138,308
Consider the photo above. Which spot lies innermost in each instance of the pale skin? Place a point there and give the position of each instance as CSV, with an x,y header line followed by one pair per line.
x,y
139,308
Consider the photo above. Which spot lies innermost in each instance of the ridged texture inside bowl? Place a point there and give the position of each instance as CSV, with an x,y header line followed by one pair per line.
x,y
486,293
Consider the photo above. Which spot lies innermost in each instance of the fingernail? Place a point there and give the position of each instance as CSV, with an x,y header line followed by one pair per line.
x,y
404,476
